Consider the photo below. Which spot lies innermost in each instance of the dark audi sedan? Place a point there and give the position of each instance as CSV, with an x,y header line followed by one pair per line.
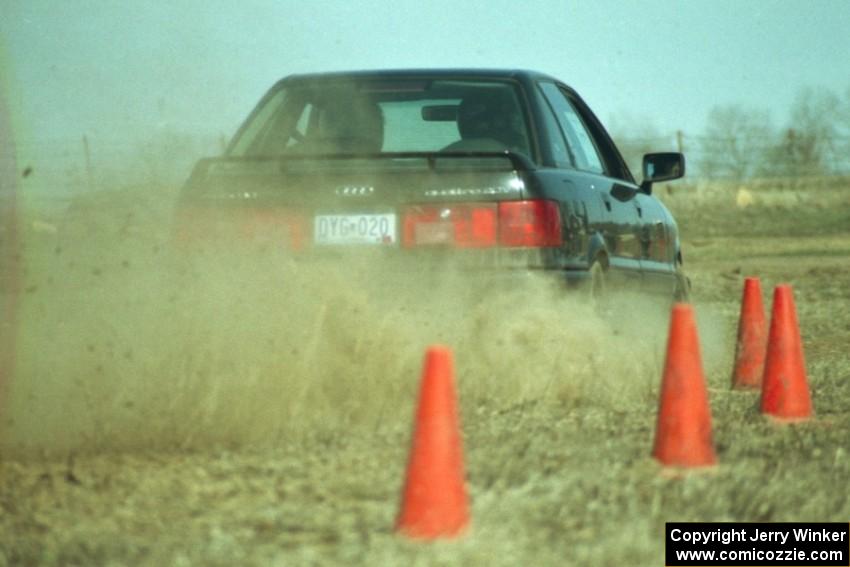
x,y
507,170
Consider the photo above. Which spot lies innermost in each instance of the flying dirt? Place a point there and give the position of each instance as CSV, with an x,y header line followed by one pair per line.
x,y
129,341
243,407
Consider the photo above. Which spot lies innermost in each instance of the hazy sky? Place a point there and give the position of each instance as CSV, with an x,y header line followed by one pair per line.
x,y
115,68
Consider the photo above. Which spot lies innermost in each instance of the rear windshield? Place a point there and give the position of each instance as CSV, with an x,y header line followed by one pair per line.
x,y
371,116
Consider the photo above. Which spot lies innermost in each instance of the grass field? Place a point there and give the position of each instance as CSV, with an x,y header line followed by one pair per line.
x,y
245,410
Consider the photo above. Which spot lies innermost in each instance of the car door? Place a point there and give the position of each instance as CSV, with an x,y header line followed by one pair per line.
x,y
617,222
658,252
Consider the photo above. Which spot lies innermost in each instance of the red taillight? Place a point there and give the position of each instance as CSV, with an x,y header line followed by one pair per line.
x,y
520,224
458,225
274,226
529,224
192,224
199,224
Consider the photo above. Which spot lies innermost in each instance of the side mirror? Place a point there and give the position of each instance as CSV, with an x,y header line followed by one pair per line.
x,y
664,166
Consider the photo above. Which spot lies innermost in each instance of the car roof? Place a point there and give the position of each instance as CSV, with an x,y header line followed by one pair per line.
x,y
450,73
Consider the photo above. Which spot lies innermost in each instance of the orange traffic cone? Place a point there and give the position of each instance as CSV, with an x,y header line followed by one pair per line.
x,y
434,500
785,389
683,433
752,339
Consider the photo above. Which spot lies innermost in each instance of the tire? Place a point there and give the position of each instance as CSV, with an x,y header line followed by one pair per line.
x,y
682,293
597,287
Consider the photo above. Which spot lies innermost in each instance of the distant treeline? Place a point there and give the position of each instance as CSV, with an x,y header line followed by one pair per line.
x,y
737,143
740,142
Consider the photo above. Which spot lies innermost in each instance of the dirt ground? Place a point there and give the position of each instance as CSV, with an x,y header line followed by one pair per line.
x,y
241,409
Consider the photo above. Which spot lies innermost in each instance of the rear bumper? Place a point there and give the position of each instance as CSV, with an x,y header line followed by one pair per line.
x,y
375,271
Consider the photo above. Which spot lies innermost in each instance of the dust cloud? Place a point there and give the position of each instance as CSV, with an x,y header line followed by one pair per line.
x,y
128,341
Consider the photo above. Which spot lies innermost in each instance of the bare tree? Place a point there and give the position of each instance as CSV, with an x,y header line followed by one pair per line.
x,y
811,144
735,141
842,144
796,154
813,116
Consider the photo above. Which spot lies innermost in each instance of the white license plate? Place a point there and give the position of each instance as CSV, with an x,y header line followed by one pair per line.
x,y
355,229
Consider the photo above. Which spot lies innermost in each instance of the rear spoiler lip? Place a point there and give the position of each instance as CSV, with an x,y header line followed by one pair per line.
x,y
520,162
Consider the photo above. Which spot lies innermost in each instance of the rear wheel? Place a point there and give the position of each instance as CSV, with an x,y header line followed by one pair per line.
x,y
682,293
597,287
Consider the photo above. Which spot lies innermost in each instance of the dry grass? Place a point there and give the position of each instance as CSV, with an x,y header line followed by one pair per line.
x,y
244,408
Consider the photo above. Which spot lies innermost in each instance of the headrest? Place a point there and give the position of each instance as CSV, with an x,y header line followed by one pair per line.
x,y
490,114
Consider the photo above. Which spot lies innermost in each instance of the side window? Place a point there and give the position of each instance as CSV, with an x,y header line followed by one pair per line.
x,y
255,137
560,150
579,139
300,128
